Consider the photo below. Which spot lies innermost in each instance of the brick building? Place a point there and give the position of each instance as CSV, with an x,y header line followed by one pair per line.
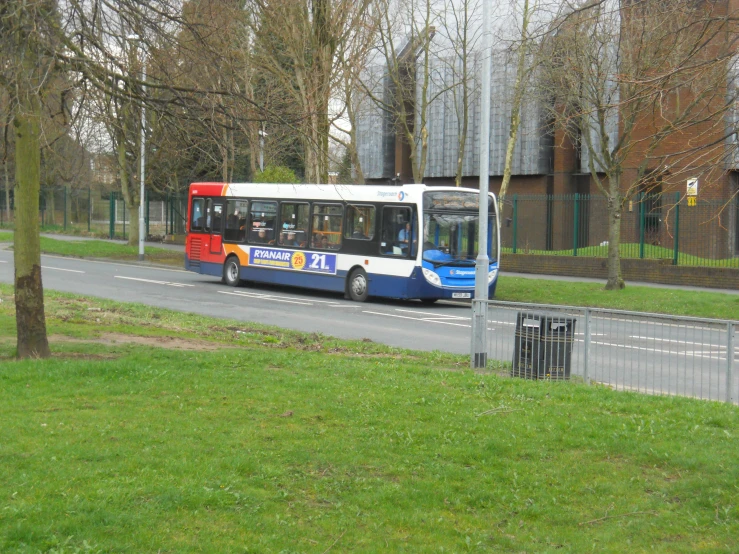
x,y
550,161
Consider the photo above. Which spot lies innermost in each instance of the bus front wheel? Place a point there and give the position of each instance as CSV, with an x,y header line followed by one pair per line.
x,y
232,272
358,285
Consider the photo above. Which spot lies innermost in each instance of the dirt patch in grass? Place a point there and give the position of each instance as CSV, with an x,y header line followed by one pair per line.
x,y
172,343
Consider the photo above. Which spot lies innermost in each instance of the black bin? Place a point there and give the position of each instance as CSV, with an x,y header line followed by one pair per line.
x,y
543,346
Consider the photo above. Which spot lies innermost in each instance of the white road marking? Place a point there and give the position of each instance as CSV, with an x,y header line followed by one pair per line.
x,y
430,315
60,269
417,319
263,297
709,345
154,281
673,352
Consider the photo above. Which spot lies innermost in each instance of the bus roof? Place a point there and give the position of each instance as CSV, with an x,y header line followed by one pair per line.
x,y
350,193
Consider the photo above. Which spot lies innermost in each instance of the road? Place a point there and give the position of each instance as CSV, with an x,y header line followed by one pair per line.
x,y
406,324
641,353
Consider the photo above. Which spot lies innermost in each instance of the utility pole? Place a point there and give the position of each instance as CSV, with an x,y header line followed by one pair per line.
x,y
482,263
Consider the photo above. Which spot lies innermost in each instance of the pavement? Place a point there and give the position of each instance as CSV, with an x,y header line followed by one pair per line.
x,y
181,248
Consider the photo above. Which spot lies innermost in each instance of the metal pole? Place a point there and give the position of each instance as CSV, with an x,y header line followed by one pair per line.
x,y
730,342
676,247
89,207
586,354
576,224
641,225
142,230
515,223
482,263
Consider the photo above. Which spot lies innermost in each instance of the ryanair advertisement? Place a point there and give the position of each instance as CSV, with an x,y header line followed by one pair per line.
x,y
294,260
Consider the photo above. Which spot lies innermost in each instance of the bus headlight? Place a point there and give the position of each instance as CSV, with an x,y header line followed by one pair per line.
x,y
492,275
431,277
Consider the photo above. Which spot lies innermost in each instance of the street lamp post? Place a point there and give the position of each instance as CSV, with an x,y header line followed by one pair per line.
x,y
482,263
142,154
262,134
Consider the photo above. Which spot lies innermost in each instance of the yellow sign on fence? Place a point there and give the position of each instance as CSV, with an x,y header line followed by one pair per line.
x,y
691,200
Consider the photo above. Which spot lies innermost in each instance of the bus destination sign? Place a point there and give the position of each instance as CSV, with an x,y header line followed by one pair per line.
x,y
293,260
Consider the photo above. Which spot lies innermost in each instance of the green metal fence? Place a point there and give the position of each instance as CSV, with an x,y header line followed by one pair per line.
x,y
661,226
103,214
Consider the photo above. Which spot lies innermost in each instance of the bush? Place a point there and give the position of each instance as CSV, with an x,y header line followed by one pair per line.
x,y
276,174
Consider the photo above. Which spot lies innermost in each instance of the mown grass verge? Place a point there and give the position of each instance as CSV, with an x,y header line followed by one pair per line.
x,y
632,250
244,438
633,298
104,249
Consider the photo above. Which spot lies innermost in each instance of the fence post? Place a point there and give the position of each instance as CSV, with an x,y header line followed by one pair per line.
x,y
111,216
146,195
65,208
730,342
577,224
124,218
641,225
586,355
677,229
515,222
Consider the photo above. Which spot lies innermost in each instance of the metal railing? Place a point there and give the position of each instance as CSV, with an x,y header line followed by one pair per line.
x,y
667,226
643,352
101,213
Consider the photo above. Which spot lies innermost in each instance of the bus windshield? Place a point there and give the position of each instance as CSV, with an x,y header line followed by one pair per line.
x,y
450,229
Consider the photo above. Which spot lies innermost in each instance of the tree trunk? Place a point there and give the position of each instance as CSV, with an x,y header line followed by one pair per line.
x,y
518,90
7,192
615,281
129,197
29,291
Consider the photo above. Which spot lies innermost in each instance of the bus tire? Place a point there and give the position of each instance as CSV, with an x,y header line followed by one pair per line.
x,y
232,271
358,285
428,301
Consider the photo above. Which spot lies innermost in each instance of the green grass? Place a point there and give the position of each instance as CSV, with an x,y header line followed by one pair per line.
x,y
631,250
633,298
283,442
104,249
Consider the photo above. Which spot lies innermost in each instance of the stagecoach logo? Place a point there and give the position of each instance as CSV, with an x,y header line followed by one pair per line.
x,y
460,272
384,194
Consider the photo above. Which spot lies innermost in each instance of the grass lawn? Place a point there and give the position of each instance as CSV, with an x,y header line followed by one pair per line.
x,y
632,250
642,299
153,431
105,249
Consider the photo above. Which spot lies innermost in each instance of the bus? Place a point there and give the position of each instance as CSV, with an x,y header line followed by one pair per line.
x,y
406,242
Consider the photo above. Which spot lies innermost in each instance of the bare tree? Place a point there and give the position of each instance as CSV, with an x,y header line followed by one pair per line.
x,y
405,46
297,44
627,77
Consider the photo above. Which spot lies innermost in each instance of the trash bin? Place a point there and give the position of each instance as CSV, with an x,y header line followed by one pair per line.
x,y
543,346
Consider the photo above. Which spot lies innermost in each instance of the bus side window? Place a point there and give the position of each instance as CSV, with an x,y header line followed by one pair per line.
x,y
263,221
294,218
397,231
327,220
197,219
236,211
360,222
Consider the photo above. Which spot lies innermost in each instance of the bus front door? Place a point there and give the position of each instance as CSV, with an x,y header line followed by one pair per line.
x,y
216,229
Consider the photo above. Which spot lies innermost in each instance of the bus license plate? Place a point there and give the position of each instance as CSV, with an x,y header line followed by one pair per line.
x,y
461,295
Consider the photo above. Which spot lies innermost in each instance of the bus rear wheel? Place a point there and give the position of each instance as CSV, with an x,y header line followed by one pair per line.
x,y
232,272
358,285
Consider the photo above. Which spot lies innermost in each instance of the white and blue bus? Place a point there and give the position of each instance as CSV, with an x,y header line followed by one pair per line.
x,y
409,241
